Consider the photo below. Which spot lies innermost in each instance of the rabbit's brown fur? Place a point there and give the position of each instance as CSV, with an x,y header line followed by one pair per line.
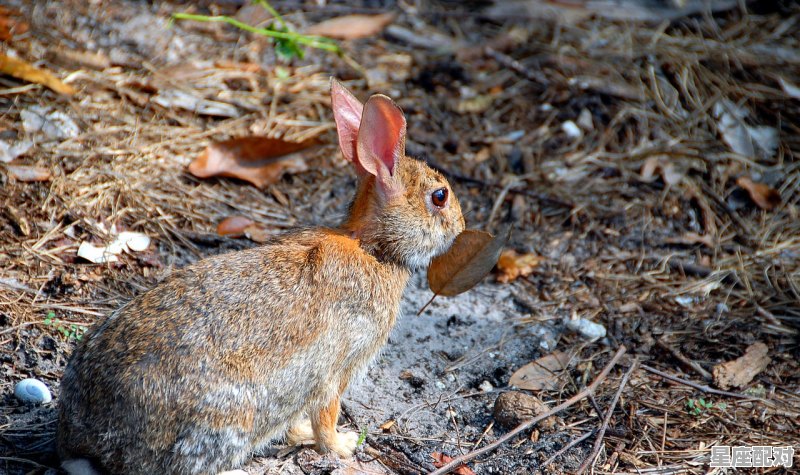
x,y
229,353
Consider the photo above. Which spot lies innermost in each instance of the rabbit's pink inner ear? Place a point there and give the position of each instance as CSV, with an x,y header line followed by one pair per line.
x,y
347,114
381,137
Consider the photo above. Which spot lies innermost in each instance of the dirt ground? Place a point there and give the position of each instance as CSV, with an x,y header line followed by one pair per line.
x,y
651,168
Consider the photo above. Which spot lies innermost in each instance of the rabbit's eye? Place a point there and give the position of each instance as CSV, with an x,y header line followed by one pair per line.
x,y
439,197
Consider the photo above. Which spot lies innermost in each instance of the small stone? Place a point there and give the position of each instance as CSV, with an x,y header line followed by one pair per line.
x,y
587,328
514,407
571,129
32,391
486,386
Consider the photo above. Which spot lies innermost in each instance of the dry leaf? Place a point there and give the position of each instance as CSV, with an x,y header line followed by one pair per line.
x,y
541,374
763,195
655,163
742,138
233,226
11,23
741,371
27,72
440,460
28,173
261,161
471,257
350,27
512,265
388,424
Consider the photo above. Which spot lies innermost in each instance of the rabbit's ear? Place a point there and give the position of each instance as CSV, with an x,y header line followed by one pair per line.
x,y
382,142
347,114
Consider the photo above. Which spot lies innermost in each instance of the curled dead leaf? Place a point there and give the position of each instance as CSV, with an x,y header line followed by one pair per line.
x,y
440,460
233,226
764,196
27,72
542,373
471,257
28,173
512,265
349,27
388,424
261,161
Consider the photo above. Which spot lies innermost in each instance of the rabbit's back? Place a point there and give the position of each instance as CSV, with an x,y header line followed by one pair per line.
x,y
217,360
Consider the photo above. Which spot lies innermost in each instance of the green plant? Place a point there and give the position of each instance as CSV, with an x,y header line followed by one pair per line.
x,y
288,44
70,331
362,436
698,407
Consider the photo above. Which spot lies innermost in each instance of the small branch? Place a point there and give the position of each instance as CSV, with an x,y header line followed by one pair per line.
x,y
598,442
683,359
700,387
458,461
514,65
572,444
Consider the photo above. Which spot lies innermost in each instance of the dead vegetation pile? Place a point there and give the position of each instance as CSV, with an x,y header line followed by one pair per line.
x,y
651,169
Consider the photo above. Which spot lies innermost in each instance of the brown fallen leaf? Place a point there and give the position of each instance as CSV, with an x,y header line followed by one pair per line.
x,y
471,257
762,195
350,27
543,373
234,226
11,23
512,265
28,173
440,460
739,372
388,424
27,72
261,161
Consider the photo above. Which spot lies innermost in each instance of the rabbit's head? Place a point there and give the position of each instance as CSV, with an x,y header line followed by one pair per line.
x,y
404,211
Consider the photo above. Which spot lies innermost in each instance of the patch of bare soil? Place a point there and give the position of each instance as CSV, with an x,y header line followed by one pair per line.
x,y
649,170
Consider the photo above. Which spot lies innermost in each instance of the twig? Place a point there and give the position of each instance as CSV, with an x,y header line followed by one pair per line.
x,y
683,359
458,461
598,442
513,64
498,202
700,387
572,444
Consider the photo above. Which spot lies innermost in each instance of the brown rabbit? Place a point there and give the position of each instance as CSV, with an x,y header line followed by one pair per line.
x,y
235,351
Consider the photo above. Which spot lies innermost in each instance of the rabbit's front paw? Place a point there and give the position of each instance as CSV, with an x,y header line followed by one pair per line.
x,y
344,444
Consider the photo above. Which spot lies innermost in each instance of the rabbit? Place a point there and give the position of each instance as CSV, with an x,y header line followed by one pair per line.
x,y
234,352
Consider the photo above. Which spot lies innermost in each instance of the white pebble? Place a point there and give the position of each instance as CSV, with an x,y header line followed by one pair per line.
x,y
486,386
571,129
587,328
32,391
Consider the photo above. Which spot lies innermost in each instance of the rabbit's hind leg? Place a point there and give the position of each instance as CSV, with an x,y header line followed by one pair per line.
x,y
328,438
300,433
202,449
